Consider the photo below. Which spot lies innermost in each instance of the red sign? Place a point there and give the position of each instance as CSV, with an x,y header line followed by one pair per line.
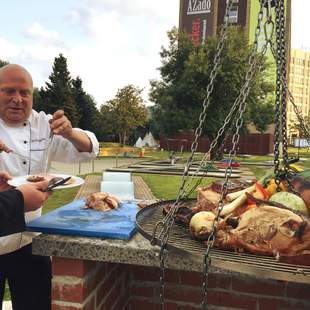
x,y
197,19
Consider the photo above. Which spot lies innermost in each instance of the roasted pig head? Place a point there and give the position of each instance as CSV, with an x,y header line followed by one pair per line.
x,y
267,230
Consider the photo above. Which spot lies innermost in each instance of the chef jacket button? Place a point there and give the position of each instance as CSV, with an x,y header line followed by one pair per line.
x,y
25,141
24,162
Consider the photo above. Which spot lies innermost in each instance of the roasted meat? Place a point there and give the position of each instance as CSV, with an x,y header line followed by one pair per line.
x,y
267,230
35,178
183,214
101,202
302,187
207,200
232,186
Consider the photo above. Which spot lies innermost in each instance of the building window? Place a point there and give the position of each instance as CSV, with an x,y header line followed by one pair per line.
x,y
233,15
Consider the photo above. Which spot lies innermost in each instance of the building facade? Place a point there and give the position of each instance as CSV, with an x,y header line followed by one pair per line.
x,y
202,19
299,85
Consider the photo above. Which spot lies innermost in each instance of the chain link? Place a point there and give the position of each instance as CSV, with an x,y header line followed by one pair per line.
x,y
168,221
255,64
281,99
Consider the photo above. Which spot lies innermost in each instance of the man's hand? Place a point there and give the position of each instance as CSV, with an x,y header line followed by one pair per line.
x,y
60,125
4,177
34,197
4,148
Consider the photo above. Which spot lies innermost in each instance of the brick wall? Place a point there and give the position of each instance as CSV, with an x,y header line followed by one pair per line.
x,y
253,144
92,286
89,285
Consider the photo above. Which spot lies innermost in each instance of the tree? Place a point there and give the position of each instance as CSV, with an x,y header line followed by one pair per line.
x,y
124,113
297,129
3,63
185,72
58,92
85,104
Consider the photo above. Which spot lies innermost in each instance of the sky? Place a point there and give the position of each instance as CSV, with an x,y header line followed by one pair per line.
x,y
108,43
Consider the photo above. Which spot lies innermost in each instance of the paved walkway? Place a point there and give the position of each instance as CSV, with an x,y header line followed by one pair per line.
x,y
97,165
92,184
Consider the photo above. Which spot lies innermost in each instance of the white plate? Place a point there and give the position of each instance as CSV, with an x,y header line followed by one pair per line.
x,y
17,181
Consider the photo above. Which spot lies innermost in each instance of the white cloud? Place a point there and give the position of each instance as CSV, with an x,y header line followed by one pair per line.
x,y
299,38
116,43
8,49
155,10
38,33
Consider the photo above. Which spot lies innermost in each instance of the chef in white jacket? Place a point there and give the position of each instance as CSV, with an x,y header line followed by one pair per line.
x,y
25,135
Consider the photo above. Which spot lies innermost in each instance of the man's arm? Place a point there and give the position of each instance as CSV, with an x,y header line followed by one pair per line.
x,y
81,141
13,204
60,125
11,212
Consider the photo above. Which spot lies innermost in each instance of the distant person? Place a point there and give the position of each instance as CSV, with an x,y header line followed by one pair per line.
x,y
13,204
25,137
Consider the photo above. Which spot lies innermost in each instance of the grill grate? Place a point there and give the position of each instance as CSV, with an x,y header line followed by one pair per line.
x,y
181,242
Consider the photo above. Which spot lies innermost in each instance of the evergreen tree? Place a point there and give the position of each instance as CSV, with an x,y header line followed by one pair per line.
x,y
85,105
58,92
3,63
38,102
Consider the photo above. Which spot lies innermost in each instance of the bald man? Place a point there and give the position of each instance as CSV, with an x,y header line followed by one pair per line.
x,y
28,134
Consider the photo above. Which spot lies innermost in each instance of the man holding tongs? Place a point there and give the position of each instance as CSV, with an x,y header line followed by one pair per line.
x,y
29,141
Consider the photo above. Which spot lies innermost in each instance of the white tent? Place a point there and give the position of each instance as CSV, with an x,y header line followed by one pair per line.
x,y
149,140
139,143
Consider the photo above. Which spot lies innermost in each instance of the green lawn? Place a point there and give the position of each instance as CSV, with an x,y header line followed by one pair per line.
x,y
166,187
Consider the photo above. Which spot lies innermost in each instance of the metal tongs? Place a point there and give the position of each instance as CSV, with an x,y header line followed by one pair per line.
x,y
46,154
54,182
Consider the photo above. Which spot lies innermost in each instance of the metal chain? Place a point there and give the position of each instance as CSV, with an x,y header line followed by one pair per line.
x,y
278,124
186,190
302,123
284,99
255,64
168,221
304,126
240,102
281,102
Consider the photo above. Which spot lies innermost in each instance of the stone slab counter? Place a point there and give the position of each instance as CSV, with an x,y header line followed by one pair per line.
x,y
108,274
137,251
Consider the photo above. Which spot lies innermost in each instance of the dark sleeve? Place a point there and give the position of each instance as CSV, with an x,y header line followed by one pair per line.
x,y
11,212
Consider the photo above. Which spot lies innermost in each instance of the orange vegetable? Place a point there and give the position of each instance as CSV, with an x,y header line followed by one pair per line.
x,y
260,193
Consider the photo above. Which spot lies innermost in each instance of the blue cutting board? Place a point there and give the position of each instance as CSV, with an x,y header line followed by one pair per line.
x,y
71,219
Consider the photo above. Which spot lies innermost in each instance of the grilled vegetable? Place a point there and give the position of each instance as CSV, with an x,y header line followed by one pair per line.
x,y
291,201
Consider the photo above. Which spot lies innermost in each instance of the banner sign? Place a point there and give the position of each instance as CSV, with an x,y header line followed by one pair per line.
x,y
197,19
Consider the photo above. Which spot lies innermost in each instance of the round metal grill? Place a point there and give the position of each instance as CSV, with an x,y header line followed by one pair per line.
x,y
181,242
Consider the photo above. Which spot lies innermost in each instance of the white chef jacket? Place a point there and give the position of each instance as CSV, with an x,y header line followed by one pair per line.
x,y
30,139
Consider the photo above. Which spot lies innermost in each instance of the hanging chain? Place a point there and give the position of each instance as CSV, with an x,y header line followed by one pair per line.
x,y
303,124
281,98
255,64
186,190
206,102
277,119
284,99
168,221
